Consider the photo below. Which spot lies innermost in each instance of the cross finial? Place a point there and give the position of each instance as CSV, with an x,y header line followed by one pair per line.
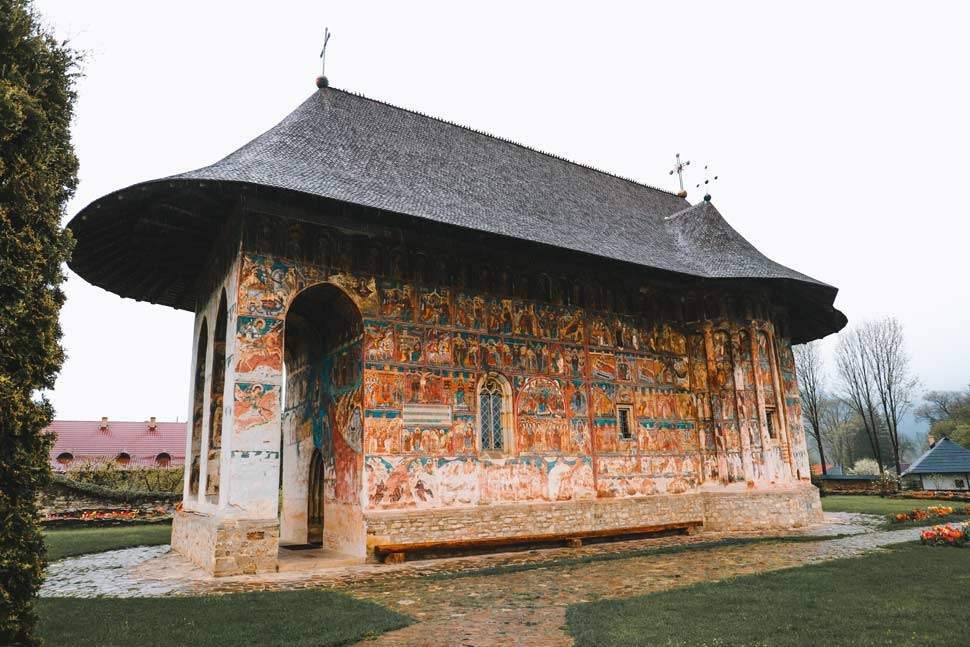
x,y
679,170
708,180
322,79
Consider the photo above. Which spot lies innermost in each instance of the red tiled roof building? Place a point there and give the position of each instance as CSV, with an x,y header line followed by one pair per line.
x,y
130,444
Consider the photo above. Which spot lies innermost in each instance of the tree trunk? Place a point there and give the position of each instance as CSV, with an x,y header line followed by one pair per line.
x,y
821,454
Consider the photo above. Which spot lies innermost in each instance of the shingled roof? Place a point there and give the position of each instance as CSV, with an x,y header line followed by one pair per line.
x,y
945,457
341,146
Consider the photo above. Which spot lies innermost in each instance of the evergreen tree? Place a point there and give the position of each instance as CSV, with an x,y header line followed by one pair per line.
x,y
38,174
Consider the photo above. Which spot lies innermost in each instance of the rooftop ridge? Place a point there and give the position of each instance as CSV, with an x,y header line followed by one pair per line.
x,y
502,139
683,212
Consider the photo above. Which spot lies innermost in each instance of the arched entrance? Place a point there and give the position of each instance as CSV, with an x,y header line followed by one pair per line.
x,y
198,404
314,511
323,370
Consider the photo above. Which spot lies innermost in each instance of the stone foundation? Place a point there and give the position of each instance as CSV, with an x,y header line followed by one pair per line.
x,y
234,547
193,537
508,520
226,546
776,509
791,507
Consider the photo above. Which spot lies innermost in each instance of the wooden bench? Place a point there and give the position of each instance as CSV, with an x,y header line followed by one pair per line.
x,y
396,553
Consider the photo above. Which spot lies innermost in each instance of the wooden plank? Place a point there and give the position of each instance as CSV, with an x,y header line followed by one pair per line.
x,y
686,526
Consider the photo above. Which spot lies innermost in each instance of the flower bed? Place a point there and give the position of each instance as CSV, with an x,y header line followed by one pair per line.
x,y
106,517
946,535
933,511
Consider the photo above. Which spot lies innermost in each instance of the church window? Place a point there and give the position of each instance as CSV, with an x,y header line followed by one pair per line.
x,y
493,413
772,423
623,416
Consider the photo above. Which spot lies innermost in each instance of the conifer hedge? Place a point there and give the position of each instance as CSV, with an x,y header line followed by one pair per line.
x,y
38,174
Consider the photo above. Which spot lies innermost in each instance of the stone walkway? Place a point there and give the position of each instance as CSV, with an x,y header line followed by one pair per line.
x,y
520,599
105,575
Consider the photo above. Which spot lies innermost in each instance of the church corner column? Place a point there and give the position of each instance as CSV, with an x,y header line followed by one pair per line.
x,y
793,409
194,528
252,405
784,431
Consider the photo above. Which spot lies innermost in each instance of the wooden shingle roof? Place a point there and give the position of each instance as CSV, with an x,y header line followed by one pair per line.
x,y
344,147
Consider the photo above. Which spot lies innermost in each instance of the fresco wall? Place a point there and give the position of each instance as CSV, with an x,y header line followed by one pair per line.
x,y
406,412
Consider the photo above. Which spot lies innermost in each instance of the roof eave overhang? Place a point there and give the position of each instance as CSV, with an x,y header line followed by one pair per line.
x,y
150,241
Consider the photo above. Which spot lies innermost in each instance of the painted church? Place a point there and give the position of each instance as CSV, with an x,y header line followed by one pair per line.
x,y
409,333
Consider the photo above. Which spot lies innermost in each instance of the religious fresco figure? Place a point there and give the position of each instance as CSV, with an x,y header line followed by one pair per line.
x,y
572,326
260,342
254,404
434,307
379,341
397,301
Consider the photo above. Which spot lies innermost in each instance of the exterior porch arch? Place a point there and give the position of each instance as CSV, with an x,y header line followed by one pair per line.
x,y
322,413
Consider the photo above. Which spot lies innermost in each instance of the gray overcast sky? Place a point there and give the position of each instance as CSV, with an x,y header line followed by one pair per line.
x,y
839,131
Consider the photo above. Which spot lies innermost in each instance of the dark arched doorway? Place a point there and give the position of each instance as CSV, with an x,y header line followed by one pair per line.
x,y
198,403
314,513
214,458
322,417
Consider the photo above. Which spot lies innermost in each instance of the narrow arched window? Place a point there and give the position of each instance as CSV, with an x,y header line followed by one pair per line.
x,y
491,410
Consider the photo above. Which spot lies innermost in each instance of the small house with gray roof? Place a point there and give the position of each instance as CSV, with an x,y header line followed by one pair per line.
x,y
944,466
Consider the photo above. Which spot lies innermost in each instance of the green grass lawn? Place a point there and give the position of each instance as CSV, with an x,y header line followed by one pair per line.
x,y
909,595
279,618
68,542
291,618
879,505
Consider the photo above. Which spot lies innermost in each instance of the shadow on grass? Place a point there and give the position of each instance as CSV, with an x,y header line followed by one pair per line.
x,y
907,595
273,619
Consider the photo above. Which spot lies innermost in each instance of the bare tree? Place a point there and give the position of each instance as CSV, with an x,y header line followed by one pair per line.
x,y
811,384
840,425
892,376
937,405
858,385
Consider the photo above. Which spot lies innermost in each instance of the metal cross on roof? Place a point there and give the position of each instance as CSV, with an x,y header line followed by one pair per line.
x,y
708,180
322,79
323,52
679,170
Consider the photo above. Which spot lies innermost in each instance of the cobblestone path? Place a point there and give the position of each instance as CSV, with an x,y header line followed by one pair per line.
x,y
104,574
